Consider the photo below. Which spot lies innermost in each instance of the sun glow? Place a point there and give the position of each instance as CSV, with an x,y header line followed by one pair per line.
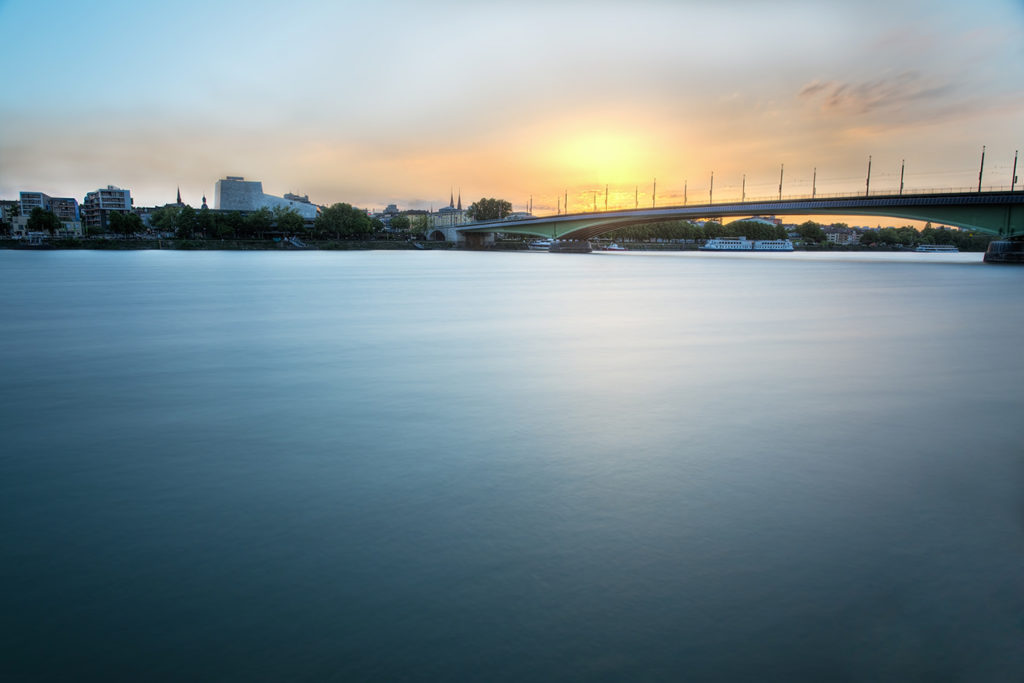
x,y
605,157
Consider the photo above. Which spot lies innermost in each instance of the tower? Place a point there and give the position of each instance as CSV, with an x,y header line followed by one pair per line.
x,y
179,194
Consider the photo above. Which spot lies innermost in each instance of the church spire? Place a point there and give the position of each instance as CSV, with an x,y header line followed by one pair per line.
x,y
179,194
451,200
460,199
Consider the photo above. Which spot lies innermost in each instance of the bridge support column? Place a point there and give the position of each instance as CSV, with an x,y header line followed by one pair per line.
x,y
1005,251
479,240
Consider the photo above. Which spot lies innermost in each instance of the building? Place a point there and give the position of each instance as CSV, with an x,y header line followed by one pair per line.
x,y
386,215
450,216
235,193
518,216
65,208
841,235
9,208
98,206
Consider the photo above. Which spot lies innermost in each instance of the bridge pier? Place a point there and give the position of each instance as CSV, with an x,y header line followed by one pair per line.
x,y
1005,251
479,240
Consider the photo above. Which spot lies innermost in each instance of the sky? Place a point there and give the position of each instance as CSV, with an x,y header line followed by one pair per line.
x,y
402,102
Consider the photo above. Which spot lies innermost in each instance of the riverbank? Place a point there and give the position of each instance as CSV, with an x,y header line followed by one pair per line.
x,y
113,244
219,245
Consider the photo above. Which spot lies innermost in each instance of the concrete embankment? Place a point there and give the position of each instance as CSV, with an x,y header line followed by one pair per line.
x,y
220,245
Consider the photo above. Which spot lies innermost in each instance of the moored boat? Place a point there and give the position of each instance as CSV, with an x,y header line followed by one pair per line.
x,y
743,244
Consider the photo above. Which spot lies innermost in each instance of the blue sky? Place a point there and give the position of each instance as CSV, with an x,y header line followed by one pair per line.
x,y
398,101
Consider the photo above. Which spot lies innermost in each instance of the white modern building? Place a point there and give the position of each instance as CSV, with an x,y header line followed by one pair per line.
x,y
235,193
98,205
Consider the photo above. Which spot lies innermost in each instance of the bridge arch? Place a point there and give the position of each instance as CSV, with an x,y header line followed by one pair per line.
x,y
995,213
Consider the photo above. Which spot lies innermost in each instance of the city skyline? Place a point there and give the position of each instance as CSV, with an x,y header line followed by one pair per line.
x,y
397,103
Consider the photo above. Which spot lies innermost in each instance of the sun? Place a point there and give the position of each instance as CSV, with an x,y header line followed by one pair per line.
x,y
605,157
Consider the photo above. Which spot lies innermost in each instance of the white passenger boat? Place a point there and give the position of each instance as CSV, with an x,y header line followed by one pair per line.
x,y
539,245
614,247
743,244
937,249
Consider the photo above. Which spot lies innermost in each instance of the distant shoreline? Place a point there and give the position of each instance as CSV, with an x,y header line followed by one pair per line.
x,y
215,245
99,244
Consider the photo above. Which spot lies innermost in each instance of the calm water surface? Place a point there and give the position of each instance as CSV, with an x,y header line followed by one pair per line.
x,y
485,466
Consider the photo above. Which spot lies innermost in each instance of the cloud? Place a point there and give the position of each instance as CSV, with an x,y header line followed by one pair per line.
x,y
868,96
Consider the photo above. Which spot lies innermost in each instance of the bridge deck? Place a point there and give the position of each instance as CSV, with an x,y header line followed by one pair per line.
x,y
999,212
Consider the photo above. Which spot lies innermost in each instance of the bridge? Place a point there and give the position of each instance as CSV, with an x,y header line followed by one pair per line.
x,y
993,212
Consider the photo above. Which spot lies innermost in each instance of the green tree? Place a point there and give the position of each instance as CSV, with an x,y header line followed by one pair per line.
x,y
232,223
41,220
810,231
421,226
907,236
126,224
206,223
489,209
115,223
343,221
945,236
288,220
133,223
664,230
888,236
165,219
756,230
185,223
400,223
258,222
713,229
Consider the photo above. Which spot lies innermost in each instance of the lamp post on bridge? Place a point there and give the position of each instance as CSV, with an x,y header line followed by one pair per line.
x,y
982,169
711,192
814,183
903,165
1013,176
781,169
743,192
867,185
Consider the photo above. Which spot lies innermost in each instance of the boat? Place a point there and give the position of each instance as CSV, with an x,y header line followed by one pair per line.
x,y
937,249
614,247
539,245
570,247
743,244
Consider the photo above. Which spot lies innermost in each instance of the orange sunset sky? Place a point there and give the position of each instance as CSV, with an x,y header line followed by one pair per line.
x,y
397,102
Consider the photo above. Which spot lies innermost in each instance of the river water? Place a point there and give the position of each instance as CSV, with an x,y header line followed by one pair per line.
x,y
510,466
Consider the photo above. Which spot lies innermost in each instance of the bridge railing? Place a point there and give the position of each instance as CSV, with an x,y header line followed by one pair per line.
x,y
728,199
872,193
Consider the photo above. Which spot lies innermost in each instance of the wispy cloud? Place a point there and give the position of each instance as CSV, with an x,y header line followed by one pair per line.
x,y
868,96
